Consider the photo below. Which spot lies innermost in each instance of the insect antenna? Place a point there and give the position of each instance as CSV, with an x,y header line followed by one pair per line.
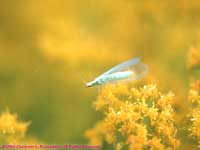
x,y
83,80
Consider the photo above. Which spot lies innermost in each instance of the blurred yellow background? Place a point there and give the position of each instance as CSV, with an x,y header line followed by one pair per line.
x,y
48,47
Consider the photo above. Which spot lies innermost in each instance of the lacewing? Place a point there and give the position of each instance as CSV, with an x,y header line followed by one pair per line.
x,y
129,70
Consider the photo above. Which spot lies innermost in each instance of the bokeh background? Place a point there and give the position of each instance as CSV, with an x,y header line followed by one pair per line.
x,y
47,49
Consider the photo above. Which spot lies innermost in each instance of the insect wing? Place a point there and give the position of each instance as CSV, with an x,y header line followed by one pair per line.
x,y
139,71
121,67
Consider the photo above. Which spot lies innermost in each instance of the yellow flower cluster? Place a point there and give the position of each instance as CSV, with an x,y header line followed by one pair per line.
x,y
10,125
13,131
194,97
136,118
193,59
74,45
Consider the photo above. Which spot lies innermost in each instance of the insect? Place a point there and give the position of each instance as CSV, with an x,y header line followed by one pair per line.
x,y
132,69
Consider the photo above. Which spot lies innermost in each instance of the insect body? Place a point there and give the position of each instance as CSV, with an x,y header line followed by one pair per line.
x,y
129,70
111,77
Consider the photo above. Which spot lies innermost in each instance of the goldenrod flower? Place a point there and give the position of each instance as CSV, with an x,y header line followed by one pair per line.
x,y
135,117
13,131
155,144
194,97
96,135
10,125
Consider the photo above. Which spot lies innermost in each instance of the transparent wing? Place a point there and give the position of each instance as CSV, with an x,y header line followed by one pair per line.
x,y
121,67
139,71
